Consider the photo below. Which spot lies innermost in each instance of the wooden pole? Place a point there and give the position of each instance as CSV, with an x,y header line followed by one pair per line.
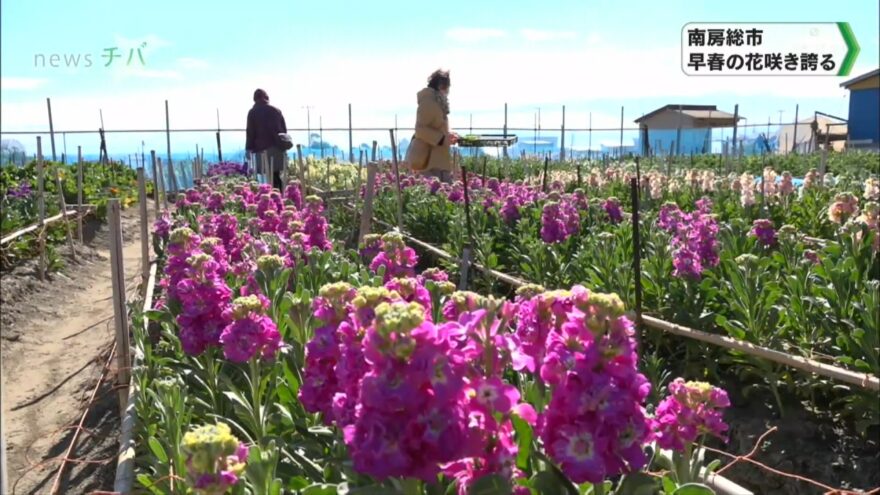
x,y
824,162
375,147
172,178
397,180
4,473
468,246
735,121
162,184
264,159
367,213
546,173
505,130
302,167
562,145
350,140
156,178
117,273
63,205
79,193
794,134
51,128
41,211
637,254
145,234
620,150
219,149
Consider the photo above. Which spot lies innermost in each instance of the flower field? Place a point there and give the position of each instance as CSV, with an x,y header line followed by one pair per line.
x,y
19,203
278,359
794,269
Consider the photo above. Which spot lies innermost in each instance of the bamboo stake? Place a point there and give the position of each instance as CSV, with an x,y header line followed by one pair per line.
x,y
125,461
41,207
117,270
31,228
302,167
63,206
79,193
156,178
145,236
367,214
397,180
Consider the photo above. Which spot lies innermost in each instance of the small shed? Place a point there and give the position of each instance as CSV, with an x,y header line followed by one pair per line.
x,y
682,129
864,109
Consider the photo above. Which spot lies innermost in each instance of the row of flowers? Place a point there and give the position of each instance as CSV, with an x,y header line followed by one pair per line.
x,y
421,382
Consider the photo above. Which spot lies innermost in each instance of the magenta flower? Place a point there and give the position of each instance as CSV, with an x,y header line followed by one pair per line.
x,y
251,334
691,409
553,223
612,209
398,259
763,230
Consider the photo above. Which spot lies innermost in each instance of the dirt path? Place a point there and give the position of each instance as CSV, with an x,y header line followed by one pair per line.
x,y
56,337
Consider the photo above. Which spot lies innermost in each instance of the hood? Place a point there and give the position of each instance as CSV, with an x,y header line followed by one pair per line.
x,y
427,94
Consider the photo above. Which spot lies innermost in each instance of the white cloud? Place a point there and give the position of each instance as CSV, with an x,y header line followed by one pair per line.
x,y
21,83
469,35
192,63
544,35
588,73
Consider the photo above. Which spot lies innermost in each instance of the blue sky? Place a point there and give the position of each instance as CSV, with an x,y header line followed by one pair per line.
x,y
592,56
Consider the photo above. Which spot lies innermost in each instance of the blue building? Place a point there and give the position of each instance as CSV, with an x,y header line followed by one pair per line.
x,y
864,110
681,129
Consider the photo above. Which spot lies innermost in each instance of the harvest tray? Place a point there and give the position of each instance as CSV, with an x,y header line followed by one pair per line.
x,y
486,140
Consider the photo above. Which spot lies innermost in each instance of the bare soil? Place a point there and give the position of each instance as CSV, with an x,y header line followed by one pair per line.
x,y
55,338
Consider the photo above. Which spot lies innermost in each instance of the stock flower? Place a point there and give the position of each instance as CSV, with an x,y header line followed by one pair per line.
x,y
293,193
612,209
315,225
162,225
594,425
553,229
320,384
872,189
396,257
786,186
811,256
845,205
251,333
215,459
691,409
510,210
411,416
370,247
763,230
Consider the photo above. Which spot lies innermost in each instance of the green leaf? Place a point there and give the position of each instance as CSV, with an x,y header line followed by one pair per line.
x,y
491,485
638,483
693,489
320,489
546,483
158,450
668,485
524,442
148,483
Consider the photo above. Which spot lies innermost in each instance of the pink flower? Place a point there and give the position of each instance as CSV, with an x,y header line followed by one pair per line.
x,y
251,333
690,410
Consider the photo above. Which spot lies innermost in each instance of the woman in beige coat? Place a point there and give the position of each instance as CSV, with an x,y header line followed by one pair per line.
x,y
428,152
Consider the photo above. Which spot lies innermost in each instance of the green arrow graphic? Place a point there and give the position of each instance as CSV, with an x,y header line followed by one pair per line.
x,y
852,48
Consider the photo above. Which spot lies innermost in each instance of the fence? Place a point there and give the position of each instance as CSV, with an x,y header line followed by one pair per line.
x,y
572,136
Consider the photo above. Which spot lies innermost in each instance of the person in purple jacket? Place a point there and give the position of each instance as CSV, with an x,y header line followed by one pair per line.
x,y
264,123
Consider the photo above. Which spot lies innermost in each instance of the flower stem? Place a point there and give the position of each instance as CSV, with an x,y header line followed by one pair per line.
x,y
256,397
599,488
